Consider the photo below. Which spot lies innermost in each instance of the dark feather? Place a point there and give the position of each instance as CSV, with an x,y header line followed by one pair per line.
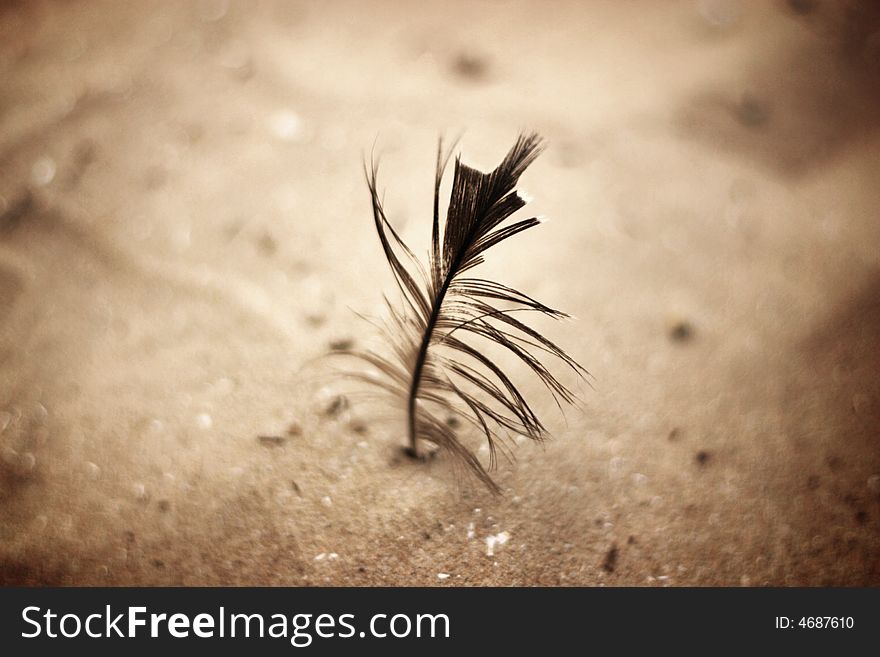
x,y
433,367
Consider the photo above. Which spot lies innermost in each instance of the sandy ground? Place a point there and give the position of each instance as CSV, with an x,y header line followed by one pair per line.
x,y
184,226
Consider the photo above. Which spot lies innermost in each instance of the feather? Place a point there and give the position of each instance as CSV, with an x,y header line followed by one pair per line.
x,y
435,367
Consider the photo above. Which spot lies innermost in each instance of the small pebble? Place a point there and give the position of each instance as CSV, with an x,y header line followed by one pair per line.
x,y
286,125
27,461
92,470
43,171
702,457
140,491
204,421
442,576
326,501
40,413
498,539
321,557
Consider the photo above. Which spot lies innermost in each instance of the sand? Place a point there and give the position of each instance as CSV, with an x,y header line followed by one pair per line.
x,y
185,228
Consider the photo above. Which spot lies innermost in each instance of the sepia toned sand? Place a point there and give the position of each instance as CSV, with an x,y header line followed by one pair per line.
x,y
185,228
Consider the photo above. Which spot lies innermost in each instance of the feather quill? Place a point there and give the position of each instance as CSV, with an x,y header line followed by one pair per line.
x,y
436,367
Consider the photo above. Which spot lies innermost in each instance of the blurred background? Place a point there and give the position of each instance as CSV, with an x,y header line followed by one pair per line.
x,y
184,226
